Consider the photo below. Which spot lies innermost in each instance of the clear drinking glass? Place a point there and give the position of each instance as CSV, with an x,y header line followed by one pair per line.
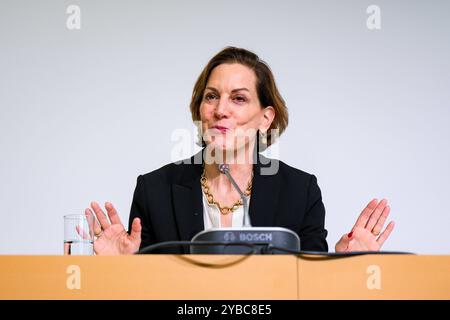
x,y
78,234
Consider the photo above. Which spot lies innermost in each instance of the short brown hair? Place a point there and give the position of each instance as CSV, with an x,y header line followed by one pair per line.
x,y
266,88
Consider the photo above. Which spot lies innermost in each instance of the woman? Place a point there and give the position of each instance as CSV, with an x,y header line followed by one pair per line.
x,y
238,105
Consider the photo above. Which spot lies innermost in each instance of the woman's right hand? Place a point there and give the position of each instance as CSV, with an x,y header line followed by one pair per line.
x,y
112,238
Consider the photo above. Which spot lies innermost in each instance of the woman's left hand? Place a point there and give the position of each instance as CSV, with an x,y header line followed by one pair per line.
x,y
366,234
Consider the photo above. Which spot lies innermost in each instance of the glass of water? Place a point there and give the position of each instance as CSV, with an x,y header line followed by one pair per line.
x,y
78,234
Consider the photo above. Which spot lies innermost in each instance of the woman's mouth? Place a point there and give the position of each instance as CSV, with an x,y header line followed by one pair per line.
x,y
220,128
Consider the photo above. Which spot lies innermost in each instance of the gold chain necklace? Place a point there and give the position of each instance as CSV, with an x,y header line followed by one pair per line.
x,y
223,209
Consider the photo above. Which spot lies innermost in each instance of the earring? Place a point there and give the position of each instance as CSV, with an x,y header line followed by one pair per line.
x,y
263,137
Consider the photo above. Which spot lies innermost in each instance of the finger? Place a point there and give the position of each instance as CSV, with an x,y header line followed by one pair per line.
x,y
136,229
82,233
383,237
97,228
90,216
365,214
376,215
380,223
104,223
112,213
343,243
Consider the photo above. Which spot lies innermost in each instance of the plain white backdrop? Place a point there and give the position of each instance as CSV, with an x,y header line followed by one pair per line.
x,y
84,112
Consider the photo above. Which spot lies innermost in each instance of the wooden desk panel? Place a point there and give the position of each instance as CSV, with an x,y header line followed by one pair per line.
x,y
376,277
148,277
224,277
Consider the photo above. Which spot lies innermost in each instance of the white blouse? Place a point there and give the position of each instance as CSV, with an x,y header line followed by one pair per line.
x,y
211,215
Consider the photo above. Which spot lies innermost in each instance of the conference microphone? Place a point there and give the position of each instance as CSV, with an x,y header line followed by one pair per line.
x,y
225,169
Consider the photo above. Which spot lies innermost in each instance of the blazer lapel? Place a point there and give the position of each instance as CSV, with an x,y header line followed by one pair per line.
x,y
187,201
265,193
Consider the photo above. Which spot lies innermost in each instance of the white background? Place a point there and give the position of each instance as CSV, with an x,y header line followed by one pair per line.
x,y
84,112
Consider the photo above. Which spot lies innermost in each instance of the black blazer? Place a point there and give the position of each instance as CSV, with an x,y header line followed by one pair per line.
x,y
169,203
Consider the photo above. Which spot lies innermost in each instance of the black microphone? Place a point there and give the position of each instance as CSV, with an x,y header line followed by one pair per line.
x,y
225,169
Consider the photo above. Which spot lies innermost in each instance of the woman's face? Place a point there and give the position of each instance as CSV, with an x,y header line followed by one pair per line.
x,y
230,111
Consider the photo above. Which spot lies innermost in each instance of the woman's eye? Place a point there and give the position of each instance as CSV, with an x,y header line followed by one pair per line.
x,y
210,96
240,99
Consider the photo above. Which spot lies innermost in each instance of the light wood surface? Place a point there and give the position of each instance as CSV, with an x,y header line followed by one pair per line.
x,y
224,277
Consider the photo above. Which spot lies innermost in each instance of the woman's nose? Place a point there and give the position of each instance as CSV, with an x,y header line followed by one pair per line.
x,y
221,110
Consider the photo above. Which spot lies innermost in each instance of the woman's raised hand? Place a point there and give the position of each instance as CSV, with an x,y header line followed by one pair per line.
x,y
366,234
111,236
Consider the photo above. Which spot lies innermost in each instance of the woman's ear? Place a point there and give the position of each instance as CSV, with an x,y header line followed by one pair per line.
x,y
268,116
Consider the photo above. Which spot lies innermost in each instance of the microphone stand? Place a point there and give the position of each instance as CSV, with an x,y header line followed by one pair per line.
x,y
225,169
